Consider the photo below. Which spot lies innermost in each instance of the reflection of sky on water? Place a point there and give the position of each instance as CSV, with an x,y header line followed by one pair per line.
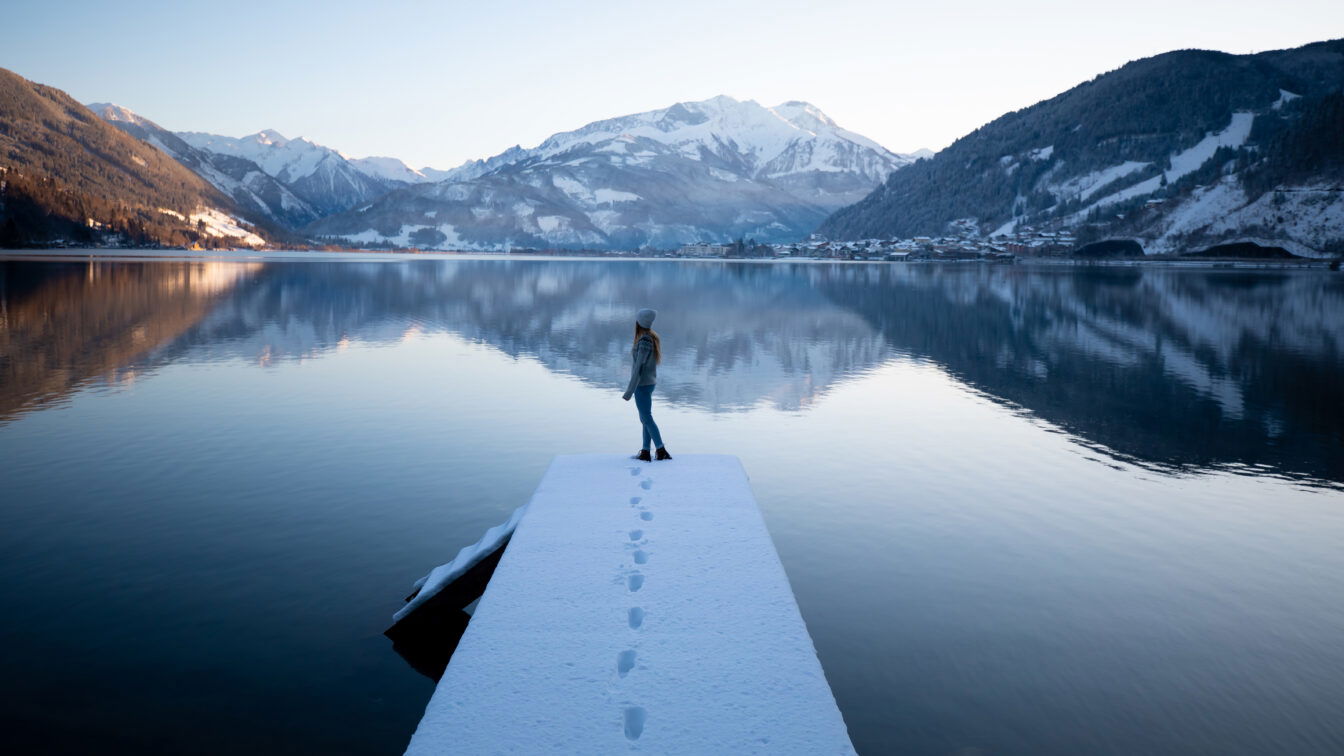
x,y
977,480
733,342
1178,369
1186,369
785,342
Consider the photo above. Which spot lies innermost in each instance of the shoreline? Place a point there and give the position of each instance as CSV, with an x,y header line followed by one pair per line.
x,y
64,254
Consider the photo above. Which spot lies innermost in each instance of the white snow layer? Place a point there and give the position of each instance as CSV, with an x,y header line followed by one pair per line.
x,y
286,159
388,169
1186,161
1205,204
1306,219
220,225
637,606
1086,185
614,195
1190,160
549,223
430,585
1005,229
797,133
573,187
1303,219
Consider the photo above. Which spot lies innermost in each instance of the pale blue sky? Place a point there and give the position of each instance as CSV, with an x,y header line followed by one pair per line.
x,y
439,82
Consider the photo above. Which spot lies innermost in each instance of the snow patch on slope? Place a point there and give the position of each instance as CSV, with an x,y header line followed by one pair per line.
x,y
551,223
1313,216
603,196
1196,213
1285,97
574,188
1185,162
1086,185
388,169
1303,220
220,225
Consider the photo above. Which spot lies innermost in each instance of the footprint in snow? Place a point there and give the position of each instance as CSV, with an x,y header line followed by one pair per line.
x,y
641,556
634,500
635,535
635,582
625,661
646,484
636,617
634,722
634,471
646,516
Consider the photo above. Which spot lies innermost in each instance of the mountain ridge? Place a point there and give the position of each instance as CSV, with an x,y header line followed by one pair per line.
x,y
1173,150
323,177
67,176
713,169
251,187
1183,149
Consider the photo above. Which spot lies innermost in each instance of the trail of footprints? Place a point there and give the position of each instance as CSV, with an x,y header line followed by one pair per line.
x,y
633,717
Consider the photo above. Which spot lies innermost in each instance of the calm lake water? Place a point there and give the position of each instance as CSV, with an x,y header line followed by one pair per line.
x,y
1024,510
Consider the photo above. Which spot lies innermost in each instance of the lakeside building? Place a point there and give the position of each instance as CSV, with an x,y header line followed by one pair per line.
x,y
962,244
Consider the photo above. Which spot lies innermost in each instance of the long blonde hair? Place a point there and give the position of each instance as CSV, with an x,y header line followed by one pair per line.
x,y
657,344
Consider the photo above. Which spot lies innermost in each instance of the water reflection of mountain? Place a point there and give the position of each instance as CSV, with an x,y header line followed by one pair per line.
x,y
1178,368
737,335
1184,369
63,325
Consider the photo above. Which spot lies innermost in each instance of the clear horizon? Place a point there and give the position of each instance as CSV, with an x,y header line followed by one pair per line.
x,y
435,85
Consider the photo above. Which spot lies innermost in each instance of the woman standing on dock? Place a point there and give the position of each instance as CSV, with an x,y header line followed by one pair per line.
x,y
646,353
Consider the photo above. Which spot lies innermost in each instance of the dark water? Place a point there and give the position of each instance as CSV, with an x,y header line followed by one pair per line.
x,y
1023,510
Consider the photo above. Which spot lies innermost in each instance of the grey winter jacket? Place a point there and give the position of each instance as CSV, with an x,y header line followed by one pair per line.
x,y
644,370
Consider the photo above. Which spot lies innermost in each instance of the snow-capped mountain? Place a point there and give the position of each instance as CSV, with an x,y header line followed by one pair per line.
x,y
711,170
394,170
255,191
1179,152
321,176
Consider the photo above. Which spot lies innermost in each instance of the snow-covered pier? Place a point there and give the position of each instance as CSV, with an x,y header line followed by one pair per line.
x,y
637,607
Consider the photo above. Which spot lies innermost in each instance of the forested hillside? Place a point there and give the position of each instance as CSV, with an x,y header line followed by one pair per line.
x,y
1159,149
65,175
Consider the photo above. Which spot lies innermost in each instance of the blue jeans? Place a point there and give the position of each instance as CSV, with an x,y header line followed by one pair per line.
x,y
644,403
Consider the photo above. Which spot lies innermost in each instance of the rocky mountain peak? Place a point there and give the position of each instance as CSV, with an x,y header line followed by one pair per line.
x,y
112,112
712,169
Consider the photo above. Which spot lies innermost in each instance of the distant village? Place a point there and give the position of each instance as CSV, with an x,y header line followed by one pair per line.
x,y
1023,242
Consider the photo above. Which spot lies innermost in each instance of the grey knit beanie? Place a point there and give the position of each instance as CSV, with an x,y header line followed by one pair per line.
x,y
645,317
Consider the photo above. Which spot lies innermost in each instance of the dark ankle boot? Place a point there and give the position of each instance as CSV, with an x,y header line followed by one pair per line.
x,y
643,456
662,453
